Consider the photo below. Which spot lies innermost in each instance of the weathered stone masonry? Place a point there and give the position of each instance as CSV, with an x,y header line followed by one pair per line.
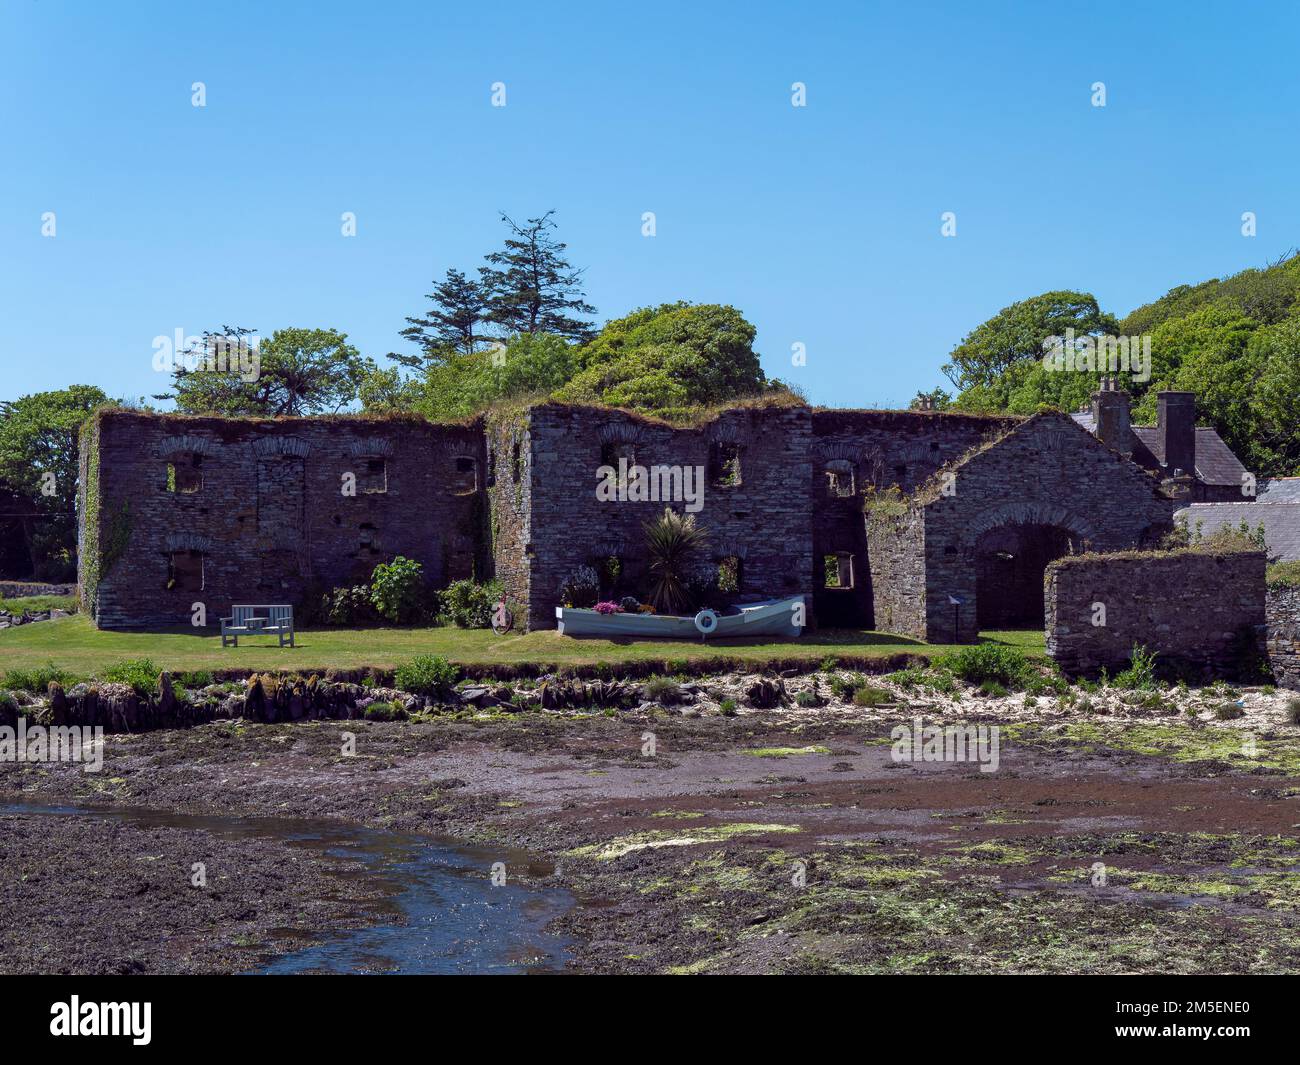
x,y
1192,607
181,510
178,510
1282,608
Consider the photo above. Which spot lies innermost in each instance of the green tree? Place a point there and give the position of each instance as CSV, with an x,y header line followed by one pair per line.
x,y
670,357
451,326
38,460
1277,397
296,371
1016,334
530,287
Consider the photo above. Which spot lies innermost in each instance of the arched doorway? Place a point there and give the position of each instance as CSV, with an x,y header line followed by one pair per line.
x,y
1009,564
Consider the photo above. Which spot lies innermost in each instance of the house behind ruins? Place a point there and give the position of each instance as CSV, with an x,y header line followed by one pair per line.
x,y
181,510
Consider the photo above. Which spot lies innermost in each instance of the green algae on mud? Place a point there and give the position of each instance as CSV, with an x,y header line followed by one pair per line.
x,y
785,752
1176,742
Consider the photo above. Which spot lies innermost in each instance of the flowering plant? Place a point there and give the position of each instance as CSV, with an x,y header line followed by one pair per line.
x,y
608,608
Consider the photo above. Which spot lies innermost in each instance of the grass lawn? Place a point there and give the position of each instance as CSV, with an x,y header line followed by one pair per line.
x,y
79,648
35,603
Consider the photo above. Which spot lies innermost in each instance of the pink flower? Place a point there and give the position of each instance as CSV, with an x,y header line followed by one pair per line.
x,y
608,608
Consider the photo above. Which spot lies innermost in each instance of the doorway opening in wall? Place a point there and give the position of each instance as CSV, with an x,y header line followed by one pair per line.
x,y
1010,561
185,571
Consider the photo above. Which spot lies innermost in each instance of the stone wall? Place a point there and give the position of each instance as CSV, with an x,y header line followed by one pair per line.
x,y
1046,472
218,511
896,548
875,449
760,516
1282,610
1191,607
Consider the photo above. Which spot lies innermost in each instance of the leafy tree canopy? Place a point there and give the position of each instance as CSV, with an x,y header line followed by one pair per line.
x,y
1016,334
295,371
665,358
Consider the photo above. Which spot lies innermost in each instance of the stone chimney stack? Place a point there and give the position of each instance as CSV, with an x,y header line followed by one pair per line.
x,y
1176,431
1110,416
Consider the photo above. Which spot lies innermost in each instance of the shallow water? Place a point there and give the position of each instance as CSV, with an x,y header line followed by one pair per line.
x,y
441,914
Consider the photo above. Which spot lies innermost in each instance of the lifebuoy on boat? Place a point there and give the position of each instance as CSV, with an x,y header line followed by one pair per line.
x,y
707,622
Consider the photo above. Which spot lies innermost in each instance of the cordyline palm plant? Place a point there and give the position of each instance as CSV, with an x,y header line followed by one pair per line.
x,y
672,541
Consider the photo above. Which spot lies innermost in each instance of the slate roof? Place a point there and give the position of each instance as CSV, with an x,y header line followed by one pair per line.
x,y
1281,523
1278,490
1215,462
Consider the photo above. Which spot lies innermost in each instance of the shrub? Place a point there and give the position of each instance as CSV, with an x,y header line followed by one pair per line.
x,y
992,688
197,678
469,605
1141,672
37,679
829,664
630,605
727,707
397,589
662,690
348,606
1293,711
384,712
1229,712
867,695
140,673
808,699
426,675
672,542
986,662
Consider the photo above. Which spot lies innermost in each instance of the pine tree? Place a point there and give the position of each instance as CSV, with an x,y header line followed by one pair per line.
x,y
529,286
452,325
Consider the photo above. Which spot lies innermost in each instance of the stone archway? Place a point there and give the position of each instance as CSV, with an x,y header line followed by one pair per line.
x,y
1009,549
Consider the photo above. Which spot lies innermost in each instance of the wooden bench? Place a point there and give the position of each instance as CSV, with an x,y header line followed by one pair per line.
x,y
252,619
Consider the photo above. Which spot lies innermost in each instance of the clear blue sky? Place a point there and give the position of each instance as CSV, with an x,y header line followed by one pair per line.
x,y
822,224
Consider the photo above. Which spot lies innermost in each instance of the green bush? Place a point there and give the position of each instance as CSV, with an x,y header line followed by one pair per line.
x,y
983,662
384,712
662,690
140,673
1141,672
37,679
867,695
426,675
348,607
192,679
1293,711
397,590
727,707
469,605
1229,712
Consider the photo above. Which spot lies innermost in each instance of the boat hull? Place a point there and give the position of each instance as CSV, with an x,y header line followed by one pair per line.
x,y
775,617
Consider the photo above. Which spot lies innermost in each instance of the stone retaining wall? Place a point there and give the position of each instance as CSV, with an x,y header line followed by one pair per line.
x,y
1282,609
1192,607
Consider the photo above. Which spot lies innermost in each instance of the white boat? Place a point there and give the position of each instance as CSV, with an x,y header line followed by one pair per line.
x,y
771,617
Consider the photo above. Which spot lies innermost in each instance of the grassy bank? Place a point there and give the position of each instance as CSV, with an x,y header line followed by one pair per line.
x,y
78,647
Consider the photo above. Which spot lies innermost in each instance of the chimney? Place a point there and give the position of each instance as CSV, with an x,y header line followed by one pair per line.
x,y
1176,431
1110,416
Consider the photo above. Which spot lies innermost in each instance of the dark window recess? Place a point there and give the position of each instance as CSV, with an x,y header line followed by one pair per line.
x,y
368,540
372,478
611,452
900,474
838,570
840,481
731,575
465,482
185,571
185,474
517,462
490,474
724,465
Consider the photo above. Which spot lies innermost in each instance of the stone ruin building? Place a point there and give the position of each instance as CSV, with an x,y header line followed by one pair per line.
x,y
178,510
